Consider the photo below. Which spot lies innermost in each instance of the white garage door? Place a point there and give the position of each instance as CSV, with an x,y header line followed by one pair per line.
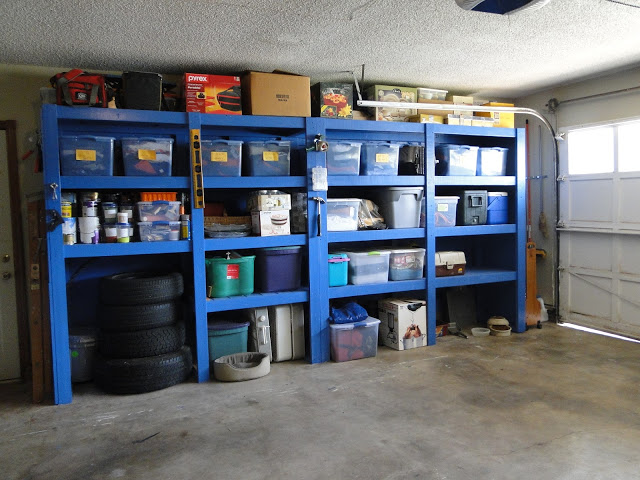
x,y
599,227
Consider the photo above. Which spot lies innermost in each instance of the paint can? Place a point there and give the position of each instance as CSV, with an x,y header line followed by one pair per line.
x,y
69,231
123,232
90,237
110,233
185,227
66,209
82,350
109,210
128,209
89,208
122,217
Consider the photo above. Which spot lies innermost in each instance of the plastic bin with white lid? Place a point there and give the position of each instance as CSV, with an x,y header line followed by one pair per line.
x,y
342,214
406,263
159,231
445,211
456,159
158,211
368,267
492,161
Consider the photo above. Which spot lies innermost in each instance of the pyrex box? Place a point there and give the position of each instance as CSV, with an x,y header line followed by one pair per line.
x,y
403,323
332,100
268,223
212,93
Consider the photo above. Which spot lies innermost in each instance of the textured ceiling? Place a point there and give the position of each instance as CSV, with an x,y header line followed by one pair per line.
x,y
411,42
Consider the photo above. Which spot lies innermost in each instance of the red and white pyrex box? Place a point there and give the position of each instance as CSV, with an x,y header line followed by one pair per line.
x,y
205,93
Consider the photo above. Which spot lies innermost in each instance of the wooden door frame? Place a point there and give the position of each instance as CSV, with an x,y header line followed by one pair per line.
x,y
9,126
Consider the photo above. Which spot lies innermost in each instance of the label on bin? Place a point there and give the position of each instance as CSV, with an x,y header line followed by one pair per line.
x,y
443,207
233,272
270,156
218,156
146,154
382,158
86,155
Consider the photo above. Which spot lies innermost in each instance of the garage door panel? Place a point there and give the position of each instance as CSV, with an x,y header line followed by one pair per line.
x,y
630,201
585,205
628,259
589,295
629,300
583,246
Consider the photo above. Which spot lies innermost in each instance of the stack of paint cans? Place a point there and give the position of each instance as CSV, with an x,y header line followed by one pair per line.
x,y
69,227
89,222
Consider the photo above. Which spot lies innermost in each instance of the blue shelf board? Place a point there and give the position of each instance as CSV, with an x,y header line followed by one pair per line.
x,y
119,115
474,180
120,249
367,235
475,131
477,276
256,300
467,230
375,180
252,121
211,244
254,182
121,183
377,288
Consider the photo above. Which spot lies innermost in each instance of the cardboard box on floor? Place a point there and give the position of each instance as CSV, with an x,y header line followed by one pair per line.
x,y
403,323
278,94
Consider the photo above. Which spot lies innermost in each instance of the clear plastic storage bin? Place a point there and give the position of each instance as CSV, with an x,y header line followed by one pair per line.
x,y
158,211
270,158
342,214
159,231
352,341
150,157
406,264
221,158
368,267
445,211
86,155
456,159
432,94
492,161
379,158
343,158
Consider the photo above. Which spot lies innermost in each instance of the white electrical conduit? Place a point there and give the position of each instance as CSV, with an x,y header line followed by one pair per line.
x,y
483,108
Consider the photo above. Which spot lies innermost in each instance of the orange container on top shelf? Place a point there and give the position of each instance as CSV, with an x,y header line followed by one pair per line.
x,y
153,196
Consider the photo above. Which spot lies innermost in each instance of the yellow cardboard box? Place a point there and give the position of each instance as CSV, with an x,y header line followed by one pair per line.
x,y
425,118
502,119
428,111
461,100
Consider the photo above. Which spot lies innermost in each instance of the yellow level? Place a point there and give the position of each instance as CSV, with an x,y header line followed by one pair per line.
x,y
196,165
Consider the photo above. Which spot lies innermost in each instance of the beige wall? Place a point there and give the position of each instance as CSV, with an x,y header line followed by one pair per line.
x,y
604,109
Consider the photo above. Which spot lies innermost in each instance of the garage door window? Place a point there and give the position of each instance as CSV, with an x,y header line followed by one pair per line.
x,y
629,147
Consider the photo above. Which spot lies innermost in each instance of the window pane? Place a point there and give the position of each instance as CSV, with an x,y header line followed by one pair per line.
x,y
628,147
590,151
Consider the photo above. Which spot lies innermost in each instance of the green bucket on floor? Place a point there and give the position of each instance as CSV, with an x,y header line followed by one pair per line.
x,y
230,276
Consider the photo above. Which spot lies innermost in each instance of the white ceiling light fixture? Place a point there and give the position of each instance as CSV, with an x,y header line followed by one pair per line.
x,y
502,7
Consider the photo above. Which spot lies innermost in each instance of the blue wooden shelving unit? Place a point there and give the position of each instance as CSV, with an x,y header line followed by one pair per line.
x,y
505,273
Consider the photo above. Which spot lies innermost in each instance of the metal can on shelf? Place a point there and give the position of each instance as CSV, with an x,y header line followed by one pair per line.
x,y
185,227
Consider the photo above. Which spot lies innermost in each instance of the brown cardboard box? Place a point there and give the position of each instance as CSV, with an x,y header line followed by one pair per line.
x,y
461,100
502,119
443,113
279,94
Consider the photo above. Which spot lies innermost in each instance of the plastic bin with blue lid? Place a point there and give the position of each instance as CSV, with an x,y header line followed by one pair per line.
x,y
158,211
338,269
352,341
147,156
278,268
343,158
159,231
221,158
492,161
456,160
86,155
226,337
267,158
379,158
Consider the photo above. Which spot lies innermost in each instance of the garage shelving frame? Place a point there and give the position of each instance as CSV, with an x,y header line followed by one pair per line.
x,y
316,294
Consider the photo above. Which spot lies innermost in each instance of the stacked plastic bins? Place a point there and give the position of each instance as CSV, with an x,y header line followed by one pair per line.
x,y
159,220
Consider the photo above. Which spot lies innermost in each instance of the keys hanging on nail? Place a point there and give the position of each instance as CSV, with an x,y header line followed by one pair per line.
x,y
54,190
319,144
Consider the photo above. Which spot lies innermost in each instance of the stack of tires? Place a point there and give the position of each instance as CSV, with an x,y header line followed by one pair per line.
x,y
141,336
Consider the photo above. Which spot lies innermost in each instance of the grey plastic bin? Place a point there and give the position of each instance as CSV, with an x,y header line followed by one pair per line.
x,y
400,206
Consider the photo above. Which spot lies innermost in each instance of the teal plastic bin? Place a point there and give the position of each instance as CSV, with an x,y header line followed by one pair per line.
x,y
338,263
227,337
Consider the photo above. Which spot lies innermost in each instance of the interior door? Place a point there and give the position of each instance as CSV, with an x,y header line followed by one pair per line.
x,y
599,228
9,346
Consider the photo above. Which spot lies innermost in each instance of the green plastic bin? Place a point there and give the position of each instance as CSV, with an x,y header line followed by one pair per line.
x,y
230,276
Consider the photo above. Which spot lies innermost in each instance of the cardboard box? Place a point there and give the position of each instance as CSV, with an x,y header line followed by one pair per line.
x,y
403,323
458,120
387,93
501,119
425,118
268,223
461,100
270,201
279,94
482,122
428,111
211,93
332,100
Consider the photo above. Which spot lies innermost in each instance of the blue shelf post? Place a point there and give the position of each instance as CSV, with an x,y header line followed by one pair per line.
x,y
318,248
430,236
199,277
521,229
57,276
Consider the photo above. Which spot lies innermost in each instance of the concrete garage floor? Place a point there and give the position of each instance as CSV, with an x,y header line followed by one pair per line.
x,y
547,404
